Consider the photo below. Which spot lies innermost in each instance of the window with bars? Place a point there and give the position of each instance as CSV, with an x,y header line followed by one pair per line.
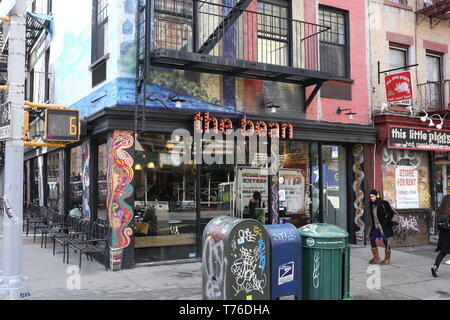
x,y
273,32
334,47
173,24
99,41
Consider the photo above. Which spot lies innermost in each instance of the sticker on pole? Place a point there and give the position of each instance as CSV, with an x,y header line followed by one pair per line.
x,y
286,273
5,121
9,211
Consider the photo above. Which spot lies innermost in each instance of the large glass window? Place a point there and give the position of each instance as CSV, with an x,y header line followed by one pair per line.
x,y
165,224
35,181
295,182
53,180
334,56
406,178
76,183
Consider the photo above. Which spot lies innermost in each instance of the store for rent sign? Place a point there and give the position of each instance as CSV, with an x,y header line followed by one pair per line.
x,y
407,186
418,139
399,87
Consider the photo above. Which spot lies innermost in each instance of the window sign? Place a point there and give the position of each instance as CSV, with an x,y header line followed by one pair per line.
x,y
407,186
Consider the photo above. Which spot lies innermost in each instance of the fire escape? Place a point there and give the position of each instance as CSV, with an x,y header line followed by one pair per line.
x,y
435,94
237,41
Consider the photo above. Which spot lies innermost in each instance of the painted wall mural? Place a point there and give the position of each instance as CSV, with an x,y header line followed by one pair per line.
x,y
358,187
120,189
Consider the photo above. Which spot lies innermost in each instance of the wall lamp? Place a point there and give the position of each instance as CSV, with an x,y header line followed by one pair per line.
x,y
349,114
176,99
440,125
272,106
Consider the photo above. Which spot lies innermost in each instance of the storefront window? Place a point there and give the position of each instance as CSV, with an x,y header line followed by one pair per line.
x,y
35,181
53,180
165,206
294,182
406,178
76,184
102,182
334,179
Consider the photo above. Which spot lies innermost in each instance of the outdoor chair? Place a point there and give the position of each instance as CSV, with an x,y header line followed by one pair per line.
x,y
95,242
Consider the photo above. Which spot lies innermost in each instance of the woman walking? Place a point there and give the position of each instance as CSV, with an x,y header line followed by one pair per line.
x,y
442,220
381,228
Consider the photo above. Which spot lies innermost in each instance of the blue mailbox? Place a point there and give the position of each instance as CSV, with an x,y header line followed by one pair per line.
x,y
286,275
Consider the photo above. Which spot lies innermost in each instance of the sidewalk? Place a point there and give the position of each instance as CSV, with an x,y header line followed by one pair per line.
x,y
407,278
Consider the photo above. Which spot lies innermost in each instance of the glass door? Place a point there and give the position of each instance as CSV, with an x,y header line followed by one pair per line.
x,y
334,187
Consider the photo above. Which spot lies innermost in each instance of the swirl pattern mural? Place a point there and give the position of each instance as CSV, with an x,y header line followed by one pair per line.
x,y
120,177
358,160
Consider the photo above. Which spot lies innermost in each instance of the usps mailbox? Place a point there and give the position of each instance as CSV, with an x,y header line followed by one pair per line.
x,y
235,260
286,275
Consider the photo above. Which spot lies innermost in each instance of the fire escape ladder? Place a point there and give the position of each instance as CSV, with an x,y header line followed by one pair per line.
x,y
141,67
224,26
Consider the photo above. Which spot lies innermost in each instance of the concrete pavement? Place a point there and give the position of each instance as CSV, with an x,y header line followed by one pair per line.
x,y
408,277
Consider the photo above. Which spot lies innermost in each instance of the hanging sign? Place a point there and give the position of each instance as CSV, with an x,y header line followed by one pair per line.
x,y
399,87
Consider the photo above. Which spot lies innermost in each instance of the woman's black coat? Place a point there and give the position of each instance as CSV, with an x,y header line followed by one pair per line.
x,y
444,234
385,215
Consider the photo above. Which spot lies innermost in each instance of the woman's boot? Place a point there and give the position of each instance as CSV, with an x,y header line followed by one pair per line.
x,y
387,258
376,256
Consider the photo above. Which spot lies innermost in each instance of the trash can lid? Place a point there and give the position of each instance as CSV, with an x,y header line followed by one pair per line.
x,y
322,230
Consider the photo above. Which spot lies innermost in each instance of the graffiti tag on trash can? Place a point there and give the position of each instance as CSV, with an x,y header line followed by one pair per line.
x,y
316,273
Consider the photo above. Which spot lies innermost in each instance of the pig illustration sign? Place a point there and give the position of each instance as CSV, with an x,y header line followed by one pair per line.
x,y
399,87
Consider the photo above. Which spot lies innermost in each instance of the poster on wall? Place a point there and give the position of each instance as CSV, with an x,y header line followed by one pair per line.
x,y
250,180
407,186
292,188
292,183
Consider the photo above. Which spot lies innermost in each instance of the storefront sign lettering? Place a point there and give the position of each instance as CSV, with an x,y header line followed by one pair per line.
x,y
206,123
418,139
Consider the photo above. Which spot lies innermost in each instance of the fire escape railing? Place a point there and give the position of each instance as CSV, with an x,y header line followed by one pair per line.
x,y
236,32
435,95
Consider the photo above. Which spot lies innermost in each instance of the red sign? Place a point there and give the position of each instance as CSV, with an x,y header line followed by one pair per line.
x,y
399,87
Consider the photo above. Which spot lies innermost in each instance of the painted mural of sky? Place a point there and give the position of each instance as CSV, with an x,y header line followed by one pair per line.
x,y
71,58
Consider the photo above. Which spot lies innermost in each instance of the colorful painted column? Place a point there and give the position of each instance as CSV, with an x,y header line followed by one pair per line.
x,y
120,198
86,157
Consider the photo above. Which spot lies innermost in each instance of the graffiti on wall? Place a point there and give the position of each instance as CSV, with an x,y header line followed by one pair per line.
x,y
358,160
86,172
120,177
412,230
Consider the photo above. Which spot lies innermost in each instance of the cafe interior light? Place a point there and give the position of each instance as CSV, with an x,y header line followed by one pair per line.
x,y
138,167
151,165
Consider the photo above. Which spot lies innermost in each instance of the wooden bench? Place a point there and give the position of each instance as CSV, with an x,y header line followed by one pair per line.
x,y
165,241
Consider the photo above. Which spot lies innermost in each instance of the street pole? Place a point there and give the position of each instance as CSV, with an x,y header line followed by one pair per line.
x,y
14,286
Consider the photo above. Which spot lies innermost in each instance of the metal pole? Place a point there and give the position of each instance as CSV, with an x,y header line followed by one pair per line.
x,y
14,286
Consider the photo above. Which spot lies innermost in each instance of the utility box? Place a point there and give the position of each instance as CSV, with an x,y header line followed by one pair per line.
x,y
235,260
286,262
326,262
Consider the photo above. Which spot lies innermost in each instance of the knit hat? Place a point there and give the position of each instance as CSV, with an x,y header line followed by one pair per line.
x,y
376,193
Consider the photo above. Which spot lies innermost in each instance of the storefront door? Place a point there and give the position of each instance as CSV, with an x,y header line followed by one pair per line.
x,y
334,185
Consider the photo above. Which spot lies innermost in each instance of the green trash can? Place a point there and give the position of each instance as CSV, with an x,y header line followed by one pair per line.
x,y
326,262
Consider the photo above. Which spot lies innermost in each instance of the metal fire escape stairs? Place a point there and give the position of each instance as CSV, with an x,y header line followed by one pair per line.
x,y
145,58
